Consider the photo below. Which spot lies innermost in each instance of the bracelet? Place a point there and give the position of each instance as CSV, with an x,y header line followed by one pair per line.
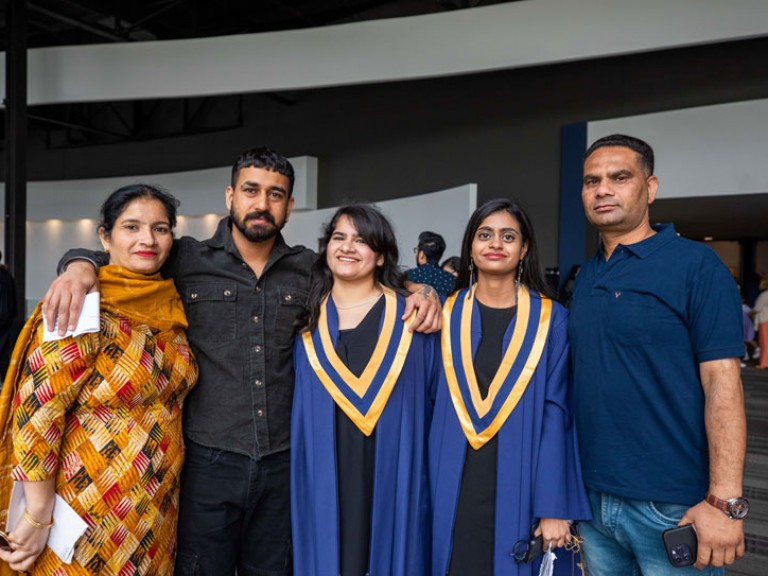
x,y
35,523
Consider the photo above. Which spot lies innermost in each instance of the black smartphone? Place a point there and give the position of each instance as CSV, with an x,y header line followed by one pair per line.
x,y
4,544
535,549
681,544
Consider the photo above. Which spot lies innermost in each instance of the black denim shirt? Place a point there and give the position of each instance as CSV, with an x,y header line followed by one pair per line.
x,y
241,329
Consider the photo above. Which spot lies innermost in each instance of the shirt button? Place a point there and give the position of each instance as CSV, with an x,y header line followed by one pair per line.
x,y
255,319
227,292
258,288
260,412
245,265
258,383
288,297
257,348
193,295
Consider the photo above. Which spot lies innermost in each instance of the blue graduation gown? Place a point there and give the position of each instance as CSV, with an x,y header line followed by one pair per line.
x,y
400,509
538,471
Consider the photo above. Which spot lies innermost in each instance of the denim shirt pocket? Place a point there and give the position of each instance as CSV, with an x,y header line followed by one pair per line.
x,y
211,311
292,302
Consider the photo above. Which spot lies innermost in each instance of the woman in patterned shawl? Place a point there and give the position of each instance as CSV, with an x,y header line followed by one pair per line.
x,y
96,418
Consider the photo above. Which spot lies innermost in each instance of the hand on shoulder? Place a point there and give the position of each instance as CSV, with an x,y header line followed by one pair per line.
x,y
64,299
426,302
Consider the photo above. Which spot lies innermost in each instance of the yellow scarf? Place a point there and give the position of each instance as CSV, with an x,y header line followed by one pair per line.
x,y
145,299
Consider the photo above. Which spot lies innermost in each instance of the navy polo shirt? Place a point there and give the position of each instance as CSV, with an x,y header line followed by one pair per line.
x,y
434,276
640,324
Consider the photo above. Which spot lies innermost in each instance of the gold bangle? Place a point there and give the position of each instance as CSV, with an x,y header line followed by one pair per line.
x,y
35,523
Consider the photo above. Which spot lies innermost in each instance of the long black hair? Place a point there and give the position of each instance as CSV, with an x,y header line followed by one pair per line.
x,y
532,275
373,227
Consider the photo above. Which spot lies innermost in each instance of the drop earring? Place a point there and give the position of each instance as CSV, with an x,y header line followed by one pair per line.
x,y
471,292
519,272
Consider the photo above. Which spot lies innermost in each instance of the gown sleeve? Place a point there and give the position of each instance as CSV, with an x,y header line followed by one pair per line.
x,y
559,488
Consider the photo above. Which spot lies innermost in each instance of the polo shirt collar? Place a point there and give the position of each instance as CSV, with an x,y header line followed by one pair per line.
x,y
665,233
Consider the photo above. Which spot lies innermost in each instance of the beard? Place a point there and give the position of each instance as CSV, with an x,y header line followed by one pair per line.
x,y
257,233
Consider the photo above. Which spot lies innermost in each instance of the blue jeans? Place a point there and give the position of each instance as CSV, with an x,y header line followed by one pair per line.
x,y
624,538
234,513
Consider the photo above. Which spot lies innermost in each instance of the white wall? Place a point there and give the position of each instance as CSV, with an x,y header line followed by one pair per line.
x,y
63,214
200,191
706,151
445,212
495,37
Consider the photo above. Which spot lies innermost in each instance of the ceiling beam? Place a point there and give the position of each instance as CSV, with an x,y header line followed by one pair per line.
x,y
97,29
136,25
81,127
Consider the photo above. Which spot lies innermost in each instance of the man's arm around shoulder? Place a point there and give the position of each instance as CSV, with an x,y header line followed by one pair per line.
x,y
78,276
65,295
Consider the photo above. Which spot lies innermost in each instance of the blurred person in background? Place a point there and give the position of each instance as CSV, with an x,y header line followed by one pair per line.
x,y
451,265
761,322
428,253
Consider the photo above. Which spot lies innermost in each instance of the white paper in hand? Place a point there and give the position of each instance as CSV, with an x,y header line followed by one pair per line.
x,y
67,524
548,563
88,321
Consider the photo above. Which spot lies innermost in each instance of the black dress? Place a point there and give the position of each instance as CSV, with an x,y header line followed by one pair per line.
x,y
474,526
355,453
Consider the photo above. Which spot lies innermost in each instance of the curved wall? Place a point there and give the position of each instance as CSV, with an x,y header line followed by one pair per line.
x,y
495,37
499,129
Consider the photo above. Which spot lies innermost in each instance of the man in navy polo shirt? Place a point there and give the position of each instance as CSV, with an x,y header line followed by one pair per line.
x,y
655,331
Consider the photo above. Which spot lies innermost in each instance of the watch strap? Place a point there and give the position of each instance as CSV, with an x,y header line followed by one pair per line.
x,y
723,505
735,508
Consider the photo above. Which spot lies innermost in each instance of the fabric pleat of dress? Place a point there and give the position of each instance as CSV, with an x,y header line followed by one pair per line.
x,y
101,413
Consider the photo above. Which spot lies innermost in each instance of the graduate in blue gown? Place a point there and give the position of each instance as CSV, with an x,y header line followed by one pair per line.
x,y
361,412
502,448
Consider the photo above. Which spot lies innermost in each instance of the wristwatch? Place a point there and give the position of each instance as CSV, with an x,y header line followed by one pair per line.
x,y
734,508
